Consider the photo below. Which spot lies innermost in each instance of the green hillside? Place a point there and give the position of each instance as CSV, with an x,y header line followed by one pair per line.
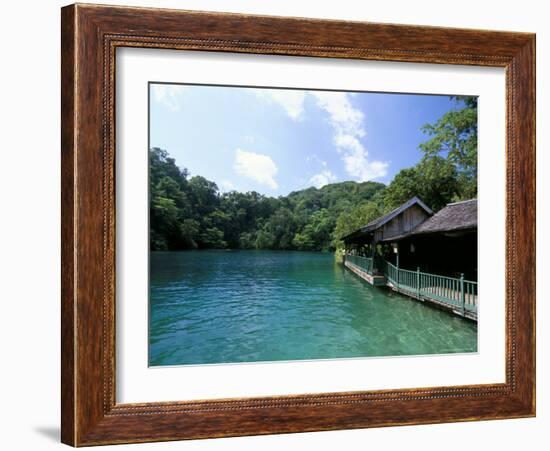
x,y
190,212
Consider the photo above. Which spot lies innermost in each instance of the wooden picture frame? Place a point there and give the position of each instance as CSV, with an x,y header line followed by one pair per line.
x,y
90,36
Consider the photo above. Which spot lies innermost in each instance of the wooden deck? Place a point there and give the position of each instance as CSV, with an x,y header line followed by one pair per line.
x,y
439,291
429,294
375,280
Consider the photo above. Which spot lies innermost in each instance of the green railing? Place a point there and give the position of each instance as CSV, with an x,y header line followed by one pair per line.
x,y
363,263
456,292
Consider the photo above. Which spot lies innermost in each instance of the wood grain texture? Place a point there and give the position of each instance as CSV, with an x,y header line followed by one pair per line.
x,y
90,36
68,312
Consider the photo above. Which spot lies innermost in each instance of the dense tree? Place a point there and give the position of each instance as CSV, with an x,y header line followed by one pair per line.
x,y
353,219
204,195
434,180
448,169
317,233
279,230
190,212
169,205
454,136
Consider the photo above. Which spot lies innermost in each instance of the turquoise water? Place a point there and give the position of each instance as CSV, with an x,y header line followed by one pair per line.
x,y
250,306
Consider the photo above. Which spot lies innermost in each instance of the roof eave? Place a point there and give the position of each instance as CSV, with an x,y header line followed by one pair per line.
x,y
455,229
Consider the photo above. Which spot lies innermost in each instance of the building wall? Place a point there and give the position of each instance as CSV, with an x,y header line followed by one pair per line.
x,y
404,222
439,254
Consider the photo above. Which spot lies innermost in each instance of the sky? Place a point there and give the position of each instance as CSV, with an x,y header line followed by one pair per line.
x,y
275,141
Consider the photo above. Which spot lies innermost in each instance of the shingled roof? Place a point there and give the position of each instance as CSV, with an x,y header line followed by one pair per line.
x,y
456,216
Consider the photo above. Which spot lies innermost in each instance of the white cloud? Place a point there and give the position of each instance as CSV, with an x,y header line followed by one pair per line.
x,y
347,123
357,165
257,167
291,100
342,115
168,95
323,178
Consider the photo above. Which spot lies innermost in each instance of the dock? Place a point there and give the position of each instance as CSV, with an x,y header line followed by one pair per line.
x,y
456,295
373,279
413,236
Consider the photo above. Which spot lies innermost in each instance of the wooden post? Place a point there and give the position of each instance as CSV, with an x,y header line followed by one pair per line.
x,y
418,281
462,297
397,266
372,255
397,259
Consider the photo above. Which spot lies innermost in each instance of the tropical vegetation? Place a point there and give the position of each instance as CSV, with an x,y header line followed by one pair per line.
x,y
190,212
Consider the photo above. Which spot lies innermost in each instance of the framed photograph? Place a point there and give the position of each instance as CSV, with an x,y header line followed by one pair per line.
x,y
278,225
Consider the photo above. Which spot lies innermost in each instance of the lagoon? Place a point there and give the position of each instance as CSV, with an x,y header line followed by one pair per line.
x,y
256,306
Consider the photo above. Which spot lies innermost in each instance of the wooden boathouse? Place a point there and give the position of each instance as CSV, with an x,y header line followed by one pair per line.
x,y
426,256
